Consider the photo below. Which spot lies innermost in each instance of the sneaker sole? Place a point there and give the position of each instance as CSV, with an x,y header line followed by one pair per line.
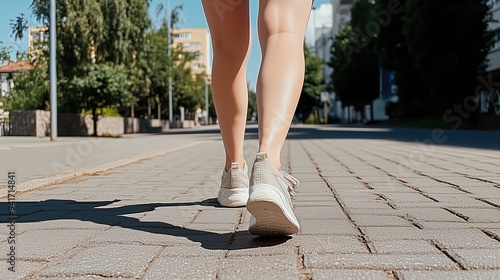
x,y
233,197
271,213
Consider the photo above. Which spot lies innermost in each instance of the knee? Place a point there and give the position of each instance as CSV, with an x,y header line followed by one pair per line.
x,y
231,47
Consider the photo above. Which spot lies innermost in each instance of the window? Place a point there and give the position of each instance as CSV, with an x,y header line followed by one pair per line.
x,y
191,46
198,56
182,36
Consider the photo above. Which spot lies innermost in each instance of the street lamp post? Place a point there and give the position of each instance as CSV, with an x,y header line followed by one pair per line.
x,y
53,71
207,116
170,103
314,30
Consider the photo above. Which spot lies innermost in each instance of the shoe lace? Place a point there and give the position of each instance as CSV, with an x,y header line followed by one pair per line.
x,y
292,182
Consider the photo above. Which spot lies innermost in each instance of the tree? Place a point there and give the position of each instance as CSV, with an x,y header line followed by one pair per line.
x,y
91,32
32,89
103,86
4,52
314,84
188,88
450,42
356,71
252,104
393,54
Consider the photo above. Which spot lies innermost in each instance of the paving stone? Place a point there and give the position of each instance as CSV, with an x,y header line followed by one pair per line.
x,y
440,190
463,238
263,267
161,236
45,244
315,203
375,220
480,258
328,244
61,224
348,274
304,197
327,226
393,233
432,214
21,269
377,261
182,268
211,227
407,197
191,250
108,260
167,206
176,216
449,275
366,205
223,215
320,212
379,212
450,225
404,247
245,244
481,215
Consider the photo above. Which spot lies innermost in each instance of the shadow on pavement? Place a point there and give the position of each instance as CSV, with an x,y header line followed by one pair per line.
x,y
55,209
461,138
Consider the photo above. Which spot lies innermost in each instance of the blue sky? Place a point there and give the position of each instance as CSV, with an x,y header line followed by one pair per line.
x,y
193,14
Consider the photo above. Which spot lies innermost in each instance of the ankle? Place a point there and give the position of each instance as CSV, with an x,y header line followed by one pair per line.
x,y
275,160
241,165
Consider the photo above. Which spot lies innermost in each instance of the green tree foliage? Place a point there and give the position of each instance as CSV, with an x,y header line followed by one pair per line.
x,y
4,52
92,32
252,105
31,91
437,50
100,38
188,89
103,86
356,71
450,42
394,55
313,85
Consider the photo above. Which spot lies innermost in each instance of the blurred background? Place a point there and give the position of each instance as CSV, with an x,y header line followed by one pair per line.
x,y
146,65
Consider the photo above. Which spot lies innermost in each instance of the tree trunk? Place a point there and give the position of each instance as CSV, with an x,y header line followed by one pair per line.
x,y
132,116
372,112
94,118
149,109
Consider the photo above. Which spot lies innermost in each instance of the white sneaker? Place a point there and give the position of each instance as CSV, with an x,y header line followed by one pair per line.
x,y
270,200
234,187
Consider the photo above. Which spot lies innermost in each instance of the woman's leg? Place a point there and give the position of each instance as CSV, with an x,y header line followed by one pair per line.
x,y
282,26
229,24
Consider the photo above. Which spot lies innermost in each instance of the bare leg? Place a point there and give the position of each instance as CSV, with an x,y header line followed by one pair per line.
x,y
230,29
282,27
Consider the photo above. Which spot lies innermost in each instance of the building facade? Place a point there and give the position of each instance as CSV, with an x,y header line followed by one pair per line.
x,y
36,36
7,72
195,40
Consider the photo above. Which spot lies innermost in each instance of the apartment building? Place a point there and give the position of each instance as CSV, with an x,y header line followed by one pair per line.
x,y
196,40
37,35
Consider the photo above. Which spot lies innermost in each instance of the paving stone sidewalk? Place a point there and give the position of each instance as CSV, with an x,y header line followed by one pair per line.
x,y
369,209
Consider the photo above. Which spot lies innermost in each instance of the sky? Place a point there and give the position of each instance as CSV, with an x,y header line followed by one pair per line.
x,y
192,14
